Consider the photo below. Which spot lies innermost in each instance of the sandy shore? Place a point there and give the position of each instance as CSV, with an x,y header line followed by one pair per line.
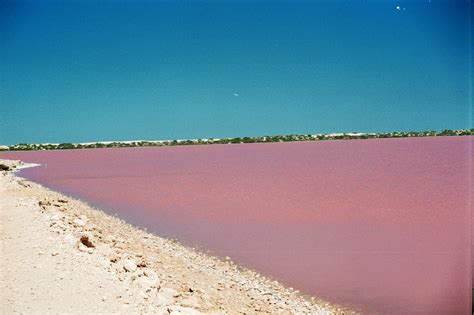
x,y
59,255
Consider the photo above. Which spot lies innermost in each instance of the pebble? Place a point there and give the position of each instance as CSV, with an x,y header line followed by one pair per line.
x,y
129,265
79,222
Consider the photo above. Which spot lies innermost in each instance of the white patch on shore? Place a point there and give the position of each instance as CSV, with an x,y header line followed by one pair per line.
x,y
27,165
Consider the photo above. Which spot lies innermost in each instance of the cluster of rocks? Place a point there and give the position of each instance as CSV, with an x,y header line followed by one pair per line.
x,y
142,282
9,165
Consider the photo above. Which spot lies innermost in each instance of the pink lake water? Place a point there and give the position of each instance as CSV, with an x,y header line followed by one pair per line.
x,y
383,226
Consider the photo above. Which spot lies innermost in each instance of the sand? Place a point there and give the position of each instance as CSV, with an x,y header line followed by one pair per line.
x,y
59,255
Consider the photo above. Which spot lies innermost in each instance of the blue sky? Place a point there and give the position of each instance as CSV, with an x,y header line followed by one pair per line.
x,y
76,71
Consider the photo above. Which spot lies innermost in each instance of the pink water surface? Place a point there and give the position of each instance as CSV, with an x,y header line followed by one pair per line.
x,y
379,225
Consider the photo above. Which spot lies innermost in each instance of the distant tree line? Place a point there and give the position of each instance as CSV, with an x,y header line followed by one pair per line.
x,y
263,139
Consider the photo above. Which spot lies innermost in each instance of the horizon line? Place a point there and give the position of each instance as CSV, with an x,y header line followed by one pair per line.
x,y
334,134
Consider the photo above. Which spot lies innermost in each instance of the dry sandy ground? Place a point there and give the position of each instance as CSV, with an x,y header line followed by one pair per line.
x,y
58,255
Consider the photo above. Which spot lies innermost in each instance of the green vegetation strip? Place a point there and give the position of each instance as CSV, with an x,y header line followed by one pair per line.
x,y
263,139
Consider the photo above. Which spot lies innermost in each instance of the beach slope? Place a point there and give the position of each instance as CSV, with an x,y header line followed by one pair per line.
x,y
59,255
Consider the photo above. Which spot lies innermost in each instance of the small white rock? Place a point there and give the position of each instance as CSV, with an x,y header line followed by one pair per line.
x,y
79,222
54,217
148,283
129,265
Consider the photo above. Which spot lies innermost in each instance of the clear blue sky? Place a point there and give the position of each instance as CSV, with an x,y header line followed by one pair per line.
x,y
75,71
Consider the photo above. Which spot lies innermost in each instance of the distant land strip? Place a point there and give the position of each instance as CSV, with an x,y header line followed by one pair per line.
x,y
262,139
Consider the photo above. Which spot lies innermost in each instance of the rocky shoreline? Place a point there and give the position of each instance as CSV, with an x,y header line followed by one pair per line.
x,y
100,264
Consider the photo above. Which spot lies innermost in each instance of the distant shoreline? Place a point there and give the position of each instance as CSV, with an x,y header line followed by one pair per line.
x,y
237,140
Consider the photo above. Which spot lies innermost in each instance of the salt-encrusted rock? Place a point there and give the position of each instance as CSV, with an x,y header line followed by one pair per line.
x,y
148,281
79,222
55,217
129,265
